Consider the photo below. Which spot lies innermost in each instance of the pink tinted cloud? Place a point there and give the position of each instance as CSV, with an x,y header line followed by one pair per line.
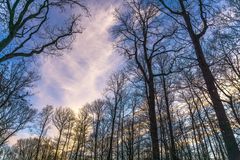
x,y
80,76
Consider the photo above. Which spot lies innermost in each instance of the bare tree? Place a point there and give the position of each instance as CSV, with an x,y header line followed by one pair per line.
x,y
196,25
27,27
15,84
44,119
114,98
61,119
83,122
140,36
25,148
97,110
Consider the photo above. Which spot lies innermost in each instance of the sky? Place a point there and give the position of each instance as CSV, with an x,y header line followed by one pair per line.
x,y
80,75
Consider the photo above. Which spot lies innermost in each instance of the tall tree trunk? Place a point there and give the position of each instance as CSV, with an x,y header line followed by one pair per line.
x,y
162,132
65,142
189,151
39,143
72,148
224,124
109,157
96,139
152,118
79,138
138,143
58,142
193,128
133,131
173,148
117,137
122,134
211,125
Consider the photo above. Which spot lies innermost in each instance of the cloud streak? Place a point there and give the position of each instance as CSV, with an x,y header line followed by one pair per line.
x,y
80,76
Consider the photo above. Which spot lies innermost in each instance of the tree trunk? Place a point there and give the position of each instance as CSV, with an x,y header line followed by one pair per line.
x,y
58,142
39,143
153,122
96,139
109,157
173,148
224,124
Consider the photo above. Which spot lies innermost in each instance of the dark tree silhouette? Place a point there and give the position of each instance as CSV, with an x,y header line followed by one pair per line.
x,y
27,27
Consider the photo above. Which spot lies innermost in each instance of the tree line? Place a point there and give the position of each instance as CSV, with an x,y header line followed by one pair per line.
x,y
176,98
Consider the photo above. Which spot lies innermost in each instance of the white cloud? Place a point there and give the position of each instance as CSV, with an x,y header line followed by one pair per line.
x,y
79,76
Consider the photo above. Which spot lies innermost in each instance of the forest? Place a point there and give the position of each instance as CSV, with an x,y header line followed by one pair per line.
x,y
176,96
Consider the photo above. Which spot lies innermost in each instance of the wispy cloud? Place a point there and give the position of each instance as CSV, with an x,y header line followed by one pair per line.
x,y
80,76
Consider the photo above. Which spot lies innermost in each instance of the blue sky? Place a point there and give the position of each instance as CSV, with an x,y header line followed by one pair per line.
x,y
80,75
